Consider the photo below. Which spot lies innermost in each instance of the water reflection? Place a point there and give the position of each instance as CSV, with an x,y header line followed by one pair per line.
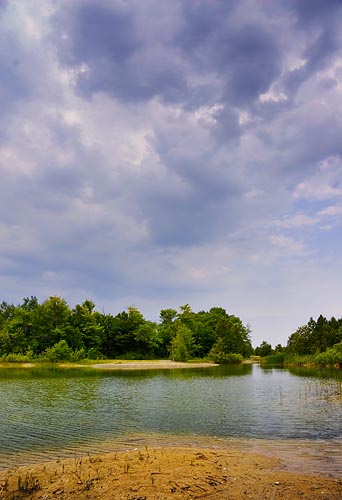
x,y
325,373
54,372
49,409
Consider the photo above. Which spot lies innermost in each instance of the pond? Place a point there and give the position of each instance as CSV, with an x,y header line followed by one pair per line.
x,y
48,412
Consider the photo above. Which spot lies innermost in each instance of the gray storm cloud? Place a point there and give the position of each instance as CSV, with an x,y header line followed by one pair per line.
x,y
157,152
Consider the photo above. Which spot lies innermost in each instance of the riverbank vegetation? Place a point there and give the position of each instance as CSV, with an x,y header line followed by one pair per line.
x,y
316,343
52,331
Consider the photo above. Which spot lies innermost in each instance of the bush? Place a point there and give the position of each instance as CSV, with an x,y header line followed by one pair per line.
x,y
59,352
218,354
224,358
331,357
274,359
299,360
17,358
94,353
77,355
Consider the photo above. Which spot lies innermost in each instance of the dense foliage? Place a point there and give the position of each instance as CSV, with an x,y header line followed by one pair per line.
x,y
53,331
318,342
315,336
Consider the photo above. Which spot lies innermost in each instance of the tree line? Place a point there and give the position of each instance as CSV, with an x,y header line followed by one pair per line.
x,y
318,341
53,331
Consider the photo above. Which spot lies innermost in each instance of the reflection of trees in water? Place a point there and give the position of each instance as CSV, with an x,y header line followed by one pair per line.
x,y
71,408
329,386
315,372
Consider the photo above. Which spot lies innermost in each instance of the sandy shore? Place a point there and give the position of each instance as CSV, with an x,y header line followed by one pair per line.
x,y
149,365
166,473
161,364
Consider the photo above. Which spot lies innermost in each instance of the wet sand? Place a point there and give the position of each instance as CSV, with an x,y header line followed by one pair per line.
x,y
167,473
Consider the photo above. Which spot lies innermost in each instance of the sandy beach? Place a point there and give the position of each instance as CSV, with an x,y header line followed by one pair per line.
x,y
195,468
166,473
160,364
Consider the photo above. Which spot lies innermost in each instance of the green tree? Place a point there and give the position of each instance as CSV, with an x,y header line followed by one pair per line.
x,y
59,352
182,343
120,333
87,330
5,341
50,322
232,337
17,326
264,349
210,321
279,349
167,316
219,355
166,329
300,342
147,340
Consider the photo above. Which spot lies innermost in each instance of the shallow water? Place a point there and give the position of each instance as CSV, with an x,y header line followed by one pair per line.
x,y
49,413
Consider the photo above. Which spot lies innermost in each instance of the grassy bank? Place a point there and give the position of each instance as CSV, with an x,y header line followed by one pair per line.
x,y
331,358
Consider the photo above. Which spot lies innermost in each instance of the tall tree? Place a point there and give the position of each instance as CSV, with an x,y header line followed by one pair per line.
x,y
233,336
182,343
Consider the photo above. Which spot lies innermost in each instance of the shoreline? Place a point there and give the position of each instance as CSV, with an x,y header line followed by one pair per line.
x,y
159,364
307,456
177,472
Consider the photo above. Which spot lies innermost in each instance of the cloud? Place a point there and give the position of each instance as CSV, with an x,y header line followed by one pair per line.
x,y
321,43
201,56
333,210
325,183
120,59
288,245
297,221
160,153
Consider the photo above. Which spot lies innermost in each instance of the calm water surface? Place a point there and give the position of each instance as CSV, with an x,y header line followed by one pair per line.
x,y
46,413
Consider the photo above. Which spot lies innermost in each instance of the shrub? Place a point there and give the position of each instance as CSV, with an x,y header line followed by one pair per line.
x,y
224,358
94,353
16,358
274,359
59,352
331,357
77,355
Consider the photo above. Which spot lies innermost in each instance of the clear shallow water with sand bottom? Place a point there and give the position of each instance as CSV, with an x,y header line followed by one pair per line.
x,y
47,412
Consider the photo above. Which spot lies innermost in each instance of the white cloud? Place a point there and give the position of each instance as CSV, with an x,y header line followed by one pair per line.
x,y
296,221
331,211
325,183
208,185
288,246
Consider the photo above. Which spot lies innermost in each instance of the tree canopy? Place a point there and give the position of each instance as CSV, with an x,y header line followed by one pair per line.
x,y
52,330
315,336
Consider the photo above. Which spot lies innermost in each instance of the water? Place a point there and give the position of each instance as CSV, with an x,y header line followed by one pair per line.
x,y
46,413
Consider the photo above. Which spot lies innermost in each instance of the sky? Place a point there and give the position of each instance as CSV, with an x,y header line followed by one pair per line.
x,y
155,153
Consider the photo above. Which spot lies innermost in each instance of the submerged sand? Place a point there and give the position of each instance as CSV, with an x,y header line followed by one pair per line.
x,y
247,470
166,473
